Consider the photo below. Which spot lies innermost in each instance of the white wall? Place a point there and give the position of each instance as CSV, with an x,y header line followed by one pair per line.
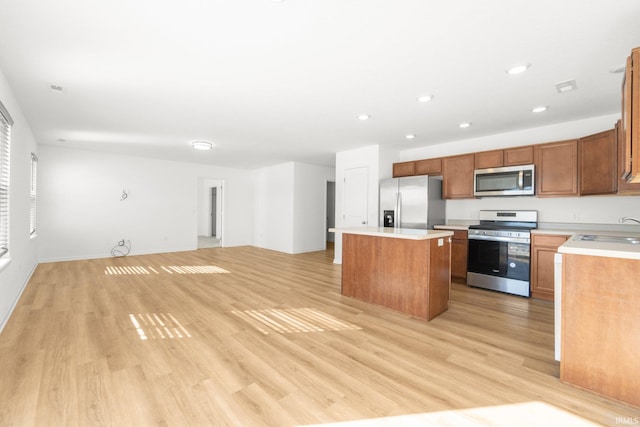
x,y
274,207
310,207
370,158
581,210
539,135
17,266
291,207
81,215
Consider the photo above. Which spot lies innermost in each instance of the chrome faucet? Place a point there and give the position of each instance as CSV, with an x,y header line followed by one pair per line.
x,y
628,218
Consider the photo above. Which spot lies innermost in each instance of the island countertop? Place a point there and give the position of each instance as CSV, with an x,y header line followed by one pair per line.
x,y
577,246
396,233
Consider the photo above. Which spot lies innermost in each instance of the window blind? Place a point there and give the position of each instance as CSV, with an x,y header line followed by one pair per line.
x,y
5,136
33,193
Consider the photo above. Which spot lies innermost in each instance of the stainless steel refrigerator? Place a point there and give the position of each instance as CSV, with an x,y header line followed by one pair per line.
x,y
411,202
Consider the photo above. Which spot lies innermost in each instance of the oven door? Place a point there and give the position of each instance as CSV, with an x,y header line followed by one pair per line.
x,y
499,258
487,257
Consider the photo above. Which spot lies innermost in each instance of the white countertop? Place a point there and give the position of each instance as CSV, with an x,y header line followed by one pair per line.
x,y
451,227
598,248
397,233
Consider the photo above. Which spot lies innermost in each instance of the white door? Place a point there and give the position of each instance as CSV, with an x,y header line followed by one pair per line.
x,y
356,196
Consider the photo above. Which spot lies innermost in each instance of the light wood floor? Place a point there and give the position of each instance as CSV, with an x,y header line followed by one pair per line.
x,y
232,338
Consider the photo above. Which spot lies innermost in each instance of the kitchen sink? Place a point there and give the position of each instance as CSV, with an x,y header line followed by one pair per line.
x,y
630,240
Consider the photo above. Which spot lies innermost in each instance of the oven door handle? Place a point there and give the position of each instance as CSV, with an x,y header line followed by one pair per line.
x,y
500,239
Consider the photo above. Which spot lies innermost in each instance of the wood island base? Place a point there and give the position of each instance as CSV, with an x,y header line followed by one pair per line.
x,y
412,276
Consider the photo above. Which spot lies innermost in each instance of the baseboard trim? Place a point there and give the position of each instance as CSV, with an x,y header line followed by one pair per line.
x,y
15,302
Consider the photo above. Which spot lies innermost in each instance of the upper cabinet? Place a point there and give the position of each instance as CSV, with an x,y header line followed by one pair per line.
x,y
631,119
429,166
518,156
598,163
624,187
404,169
489,159
508,157
457,177
557,168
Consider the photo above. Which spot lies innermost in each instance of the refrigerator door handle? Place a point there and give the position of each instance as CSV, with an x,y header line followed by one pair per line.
x,y
398,222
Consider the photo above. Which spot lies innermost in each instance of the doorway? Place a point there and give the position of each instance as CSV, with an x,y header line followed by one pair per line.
x,y
331,212
210,213
214,211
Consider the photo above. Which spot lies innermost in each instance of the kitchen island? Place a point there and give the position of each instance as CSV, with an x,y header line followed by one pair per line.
x,y
403,269
600,325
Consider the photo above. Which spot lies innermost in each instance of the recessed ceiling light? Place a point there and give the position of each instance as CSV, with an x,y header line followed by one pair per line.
x,y
464,125
202,145
425,98
518,69
539,109
410,136
566,86
364,117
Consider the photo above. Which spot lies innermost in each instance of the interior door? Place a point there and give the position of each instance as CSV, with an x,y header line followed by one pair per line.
x,y
356,197
214,211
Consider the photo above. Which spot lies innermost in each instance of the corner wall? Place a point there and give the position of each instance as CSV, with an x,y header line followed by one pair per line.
x,y
290,210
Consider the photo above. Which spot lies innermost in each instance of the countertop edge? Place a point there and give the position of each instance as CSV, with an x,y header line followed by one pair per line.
x,y
394,233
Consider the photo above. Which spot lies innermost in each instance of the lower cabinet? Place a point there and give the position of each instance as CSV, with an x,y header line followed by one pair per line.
x,y
459,248
601,326
543,249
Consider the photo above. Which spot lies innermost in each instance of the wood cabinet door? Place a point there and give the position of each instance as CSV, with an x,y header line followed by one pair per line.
x,y
489,159
429,167
459,248
598,163
457,174
518,156
557,168
631,116
404,169
543,250
624,187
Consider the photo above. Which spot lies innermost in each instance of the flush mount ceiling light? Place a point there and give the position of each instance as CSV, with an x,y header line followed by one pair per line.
x,y
518,69
425,98
56,88
566,86
539,109
410,136
364,117
464,125
202,145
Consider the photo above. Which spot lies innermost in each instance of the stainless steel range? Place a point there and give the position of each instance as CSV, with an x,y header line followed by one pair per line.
x,y
500,251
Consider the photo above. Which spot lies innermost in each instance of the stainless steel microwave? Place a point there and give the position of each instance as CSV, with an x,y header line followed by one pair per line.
x,y
504,181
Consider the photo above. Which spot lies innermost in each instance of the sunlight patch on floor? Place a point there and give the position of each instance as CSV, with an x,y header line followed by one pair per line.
x,y
194,269
134,269
171,269
527,414
292,320
158,326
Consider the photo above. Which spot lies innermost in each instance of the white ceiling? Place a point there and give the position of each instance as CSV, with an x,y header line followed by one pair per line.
x,y
270,82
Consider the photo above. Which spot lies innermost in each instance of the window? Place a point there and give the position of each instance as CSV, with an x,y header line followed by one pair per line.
x,y
5,132
32,194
